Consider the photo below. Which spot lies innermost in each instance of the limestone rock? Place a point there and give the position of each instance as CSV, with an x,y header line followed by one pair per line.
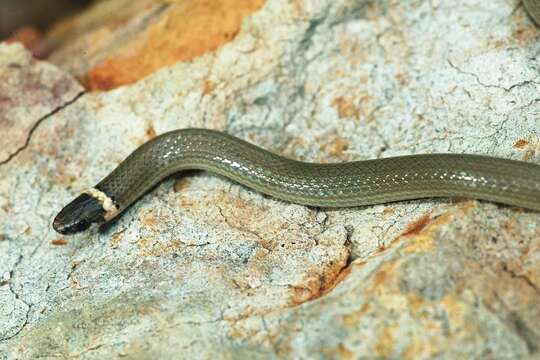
x,y
30,90
205,268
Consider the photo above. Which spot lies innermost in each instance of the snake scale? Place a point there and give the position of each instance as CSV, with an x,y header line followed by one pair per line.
x,y
323,185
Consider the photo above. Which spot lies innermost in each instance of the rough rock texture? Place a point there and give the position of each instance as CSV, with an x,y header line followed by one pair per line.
x,y
30,90
155,34
204,268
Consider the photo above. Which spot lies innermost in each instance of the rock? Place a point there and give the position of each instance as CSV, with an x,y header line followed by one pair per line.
x,y
207,268
30,91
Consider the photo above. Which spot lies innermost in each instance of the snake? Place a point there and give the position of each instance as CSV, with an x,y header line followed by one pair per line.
x,y
322,185
347,184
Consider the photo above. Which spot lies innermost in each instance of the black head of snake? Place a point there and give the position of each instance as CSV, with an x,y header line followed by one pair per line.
x,y
78,215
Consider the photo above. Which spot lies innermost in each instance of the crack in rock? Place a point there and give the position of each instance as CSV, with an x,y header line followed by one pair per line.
x,y
481,83
36,125
17,297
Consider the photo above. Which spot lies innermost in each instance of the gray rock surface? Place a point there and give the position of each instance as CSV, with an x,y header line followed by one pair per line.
x,y
30,90
204,268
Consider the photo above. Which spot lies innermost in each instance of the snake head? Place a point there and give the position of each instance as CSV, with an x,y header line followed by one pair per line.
x,y
78,215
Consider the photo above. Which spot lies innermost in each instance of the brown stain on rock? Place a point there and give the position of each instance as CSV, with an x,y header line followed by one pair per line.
x,y
208,87
417,225
182,184
310,290
150,132
419,233
402,79
338,147
524,34
346,108
116,238
351,108
333,145
528,148
344,353
188,30
381,276
520,144
150,219
321,283
59,242
381,279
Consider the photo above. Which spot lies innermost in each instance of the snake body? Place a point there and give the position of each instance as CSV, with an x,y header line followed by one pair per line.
x,y
533,8
323,185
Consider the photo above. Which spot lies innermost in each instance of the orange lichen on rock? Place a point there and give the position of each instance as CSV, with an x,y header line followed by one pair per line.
x,y
188,30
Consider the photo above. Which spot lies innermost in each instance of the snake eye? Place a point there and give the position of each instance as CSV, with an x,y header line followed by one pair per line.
x,y
78,215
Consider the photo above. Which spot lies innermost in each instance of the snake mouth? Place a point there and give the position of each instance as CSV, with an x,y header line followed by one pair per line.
x,y
78,215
